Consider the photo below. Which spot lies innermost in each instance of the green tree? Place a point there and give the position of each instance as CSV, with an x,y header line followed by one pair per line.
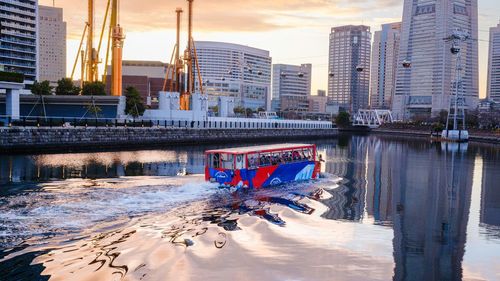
x,y
443,116
239,110
41,88
135,105
94,110
249,112
215,109
94,89
65,87
343,119
472,119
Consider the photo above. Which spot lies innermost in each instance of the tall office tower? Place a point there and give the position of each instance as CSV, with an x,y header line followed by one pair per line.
x,y
18,37
291,87
237,71
383,66
349,67
494,65
425,80
51,44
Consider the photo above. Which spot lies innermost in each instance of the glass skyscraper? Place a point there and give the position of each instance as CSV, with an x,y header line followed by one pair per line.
x,y
18,37
424,88
349,67
494,65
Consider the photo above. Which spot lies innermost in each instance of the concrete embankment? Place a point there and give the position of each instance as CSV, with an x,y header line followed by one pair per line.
x,y
494,139
24,140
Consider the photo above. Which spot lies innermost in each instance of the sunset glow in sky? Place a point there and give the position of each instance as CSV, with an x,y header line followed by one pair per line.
x,y
295,31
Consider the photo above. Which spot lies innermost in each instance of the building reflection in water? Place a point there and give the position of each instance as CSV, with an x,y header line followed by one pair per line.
x,y
421,190
490,195
18,168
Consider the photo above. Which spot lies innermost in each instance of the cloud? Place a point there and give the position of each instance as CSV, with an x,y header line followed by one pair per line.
x,y
225,15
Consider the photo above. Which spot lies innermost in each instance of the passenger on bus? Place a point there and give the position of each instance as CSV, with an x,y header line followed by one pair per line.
x,y
252,162
216,161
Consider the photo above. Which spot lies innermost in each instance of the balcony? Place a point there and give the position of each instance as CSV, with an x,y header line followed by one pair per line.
x,y
18,34
17,11
17,18
17,41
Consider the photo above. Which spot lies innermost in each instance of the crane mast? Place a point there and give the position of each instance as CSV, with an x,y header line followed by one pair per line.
x,y
117,51
188,58
92,55
178,62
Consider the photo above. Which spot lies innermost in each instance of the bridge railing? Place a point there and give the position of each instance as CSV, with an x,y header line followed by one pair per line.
x,y
233,123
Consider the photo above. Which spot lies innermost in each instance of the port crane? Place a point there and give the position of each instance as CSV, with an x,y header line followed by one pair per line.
x,y
89,56
183,68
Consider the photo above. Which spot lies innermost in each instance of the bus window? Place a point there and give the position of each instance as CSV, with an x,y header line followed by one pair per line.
x,y
253,161
227,161
214,160
265,160
240,161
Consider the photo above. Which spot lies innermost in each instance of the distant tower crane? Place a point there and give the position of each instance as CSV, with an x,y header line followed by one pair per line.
x,y
117,51
185,65
90,55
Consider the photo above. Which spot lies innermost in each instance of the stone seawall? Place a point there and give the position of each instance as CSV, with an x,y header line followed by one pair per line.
x,y
57,139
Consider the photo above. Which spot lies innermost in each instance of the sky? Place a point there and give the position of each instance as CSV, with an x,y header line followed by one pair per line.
x,y
294,31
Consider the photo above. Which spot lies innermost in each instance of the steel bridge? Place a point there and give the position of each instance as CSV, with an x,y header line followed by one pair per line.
x,y
372,118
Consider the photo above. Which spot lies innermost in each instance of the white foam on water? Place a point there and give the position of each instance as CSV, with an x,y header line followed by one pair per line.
x,y
76,205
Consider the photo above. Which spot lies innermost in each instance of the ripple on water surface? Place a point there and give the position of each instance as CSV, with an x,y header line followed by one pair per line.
x,y
181,212
75,205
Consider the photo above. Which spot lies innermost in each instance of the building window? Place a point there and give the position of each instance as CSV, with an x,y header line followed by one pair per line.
x,y
425,9
459,10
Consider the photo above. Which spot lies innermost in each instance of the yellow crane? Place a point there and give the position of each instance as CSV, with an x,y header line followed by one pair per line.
x,y
179,65
90,56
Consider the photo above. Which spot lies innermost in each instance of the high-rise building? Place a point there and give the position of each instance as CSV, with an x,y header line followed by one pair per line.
x,y
317,104
18,37
291,87
494,65
349,67
51,44
426,67
383,65
237,71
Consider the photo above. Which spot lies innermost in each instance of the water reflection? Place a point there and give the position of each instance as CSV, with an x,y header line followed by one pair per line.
x,y
490,196
40,168
423,191
442,203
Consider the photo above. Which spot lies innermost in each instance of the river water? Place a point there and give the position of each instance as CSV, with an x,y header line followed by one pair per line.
x,y
385,209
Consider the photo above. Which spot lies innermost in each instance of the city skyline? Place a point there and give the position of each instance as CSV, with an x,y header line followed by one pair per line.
x,y
294,32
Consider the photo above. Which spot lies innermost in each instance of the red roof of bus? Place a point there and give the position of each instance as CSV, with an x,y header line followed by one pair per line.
x,y
260,148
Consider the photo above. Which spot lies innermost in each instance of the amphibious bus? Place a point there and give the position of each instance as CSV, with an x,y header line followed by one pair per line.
x,y
262,166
